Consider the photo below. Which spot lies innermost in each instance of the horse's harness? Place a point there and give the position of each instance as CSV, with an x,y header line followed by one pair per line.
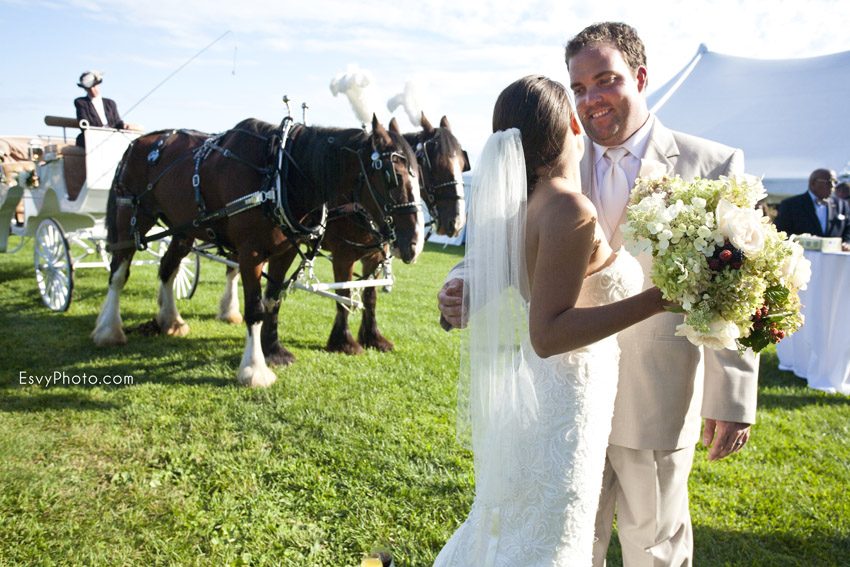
x,y
380,161
274,195
431,192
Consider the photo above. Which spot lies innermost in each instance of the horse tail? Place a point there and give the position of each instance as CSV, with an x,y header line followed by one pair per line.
x,y
112,202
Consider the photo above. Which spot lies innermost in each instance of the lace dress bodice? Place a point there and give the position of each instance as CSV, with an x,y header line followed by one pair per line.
x,y
554,467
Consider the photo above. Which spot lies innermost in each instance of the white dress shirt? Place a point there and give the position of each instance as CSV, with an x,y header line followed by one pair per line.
x,y
97,102
636,145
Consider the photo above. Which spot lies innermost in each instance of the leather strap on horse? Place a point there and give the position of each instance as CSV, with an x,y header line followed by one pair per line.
x,y
356,209
431,196
282,213
156,152
387,233
233,208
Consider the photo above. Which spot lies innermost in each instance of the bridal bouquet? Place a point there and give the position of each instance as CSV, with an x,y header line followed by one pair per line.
x,y
737,279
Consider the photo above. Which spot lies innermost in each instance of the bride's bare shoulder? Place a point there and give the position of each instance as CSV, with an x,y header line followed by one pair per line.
x,y
554,200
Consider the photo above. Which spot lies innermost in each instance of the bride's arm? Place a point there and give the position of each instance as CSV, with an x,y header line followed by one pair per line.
x,y
559,247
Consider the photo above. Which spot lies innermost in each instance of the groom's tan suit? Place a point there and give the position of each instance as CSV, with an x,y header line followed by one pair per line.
x,y
665,384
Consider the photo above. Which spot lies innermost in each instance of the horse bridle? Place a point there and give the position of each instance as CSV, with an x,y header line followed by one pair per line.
x,y
430,192
383,161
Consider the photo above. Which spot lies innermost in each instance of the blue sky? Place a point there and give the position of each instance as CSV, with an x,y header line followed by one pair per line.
x,y
459,53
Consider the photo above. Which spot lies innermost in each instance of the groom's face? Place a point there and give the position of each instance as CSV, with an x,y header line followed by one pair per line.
x,y
610,100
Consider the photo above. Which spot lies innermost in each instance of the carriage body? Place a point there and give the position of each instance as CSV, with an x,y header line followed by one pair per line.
x,y
58,196
73,182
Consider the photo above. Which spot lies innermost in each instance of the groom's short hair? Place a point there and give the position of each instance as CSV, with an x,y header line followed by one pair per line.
x,y
622,36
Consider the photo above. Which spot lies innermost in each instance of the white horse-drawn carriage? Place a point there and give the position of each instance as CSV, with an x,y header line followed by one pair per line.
x,y
56,192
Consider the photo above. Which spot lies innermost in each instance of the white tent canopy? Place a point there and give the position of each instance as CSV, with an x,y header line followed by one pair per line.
x,y
790,116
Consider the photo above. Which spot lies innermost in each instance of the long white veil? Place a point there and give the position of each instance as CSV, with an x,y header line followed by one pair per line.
x,y
496,398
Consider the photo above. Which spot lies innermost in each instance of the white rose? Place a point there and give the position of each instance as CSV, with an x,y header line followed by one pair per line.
x,y
651,169
721,334
797,270
742,227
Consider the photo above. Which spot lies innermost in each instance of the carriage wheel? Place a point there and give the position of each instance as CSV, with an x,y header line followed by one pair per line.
x,y
187,278
186,281
54,271
21,241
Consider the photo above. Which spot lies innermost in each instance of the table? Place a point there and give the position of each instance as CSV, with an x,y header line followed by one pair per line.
x,y
820,350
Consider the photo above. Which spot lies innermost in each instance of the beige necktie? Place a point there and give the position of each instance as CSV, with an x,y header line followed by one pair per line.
x,y
614,190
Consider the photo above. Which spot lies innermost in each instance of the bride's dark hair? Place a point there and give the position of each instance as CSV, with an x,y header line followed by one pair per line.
x,y
541,109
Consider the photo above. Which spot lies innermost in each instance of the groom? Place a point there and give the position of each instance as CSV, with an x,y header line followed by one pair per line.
x,y
665,383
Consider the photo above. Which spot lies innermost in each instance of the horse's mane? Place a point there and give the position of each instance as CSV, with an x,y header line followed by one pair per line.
x,y
256,127
322,152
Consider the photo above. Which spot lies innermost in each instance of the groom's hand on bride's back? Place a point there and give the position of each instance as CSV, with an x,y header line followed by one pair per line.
x,y
450,302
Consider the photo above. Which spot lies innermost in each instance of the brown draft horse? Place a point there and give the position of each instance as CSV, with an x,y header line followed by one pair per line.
x,y
442,162
201,188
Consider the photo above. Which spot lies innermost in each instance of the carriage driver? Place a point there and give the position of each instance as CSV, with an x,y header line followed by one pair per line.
x,y
93,108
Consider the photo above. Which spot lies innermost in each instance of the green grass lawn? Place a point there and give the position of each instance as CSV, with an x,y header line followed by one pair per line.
x,y
342,454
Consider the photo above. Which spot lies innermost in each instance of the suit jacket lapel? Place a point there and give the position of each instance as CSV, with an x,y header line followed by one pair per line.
x,y
586,173
111,110
662,146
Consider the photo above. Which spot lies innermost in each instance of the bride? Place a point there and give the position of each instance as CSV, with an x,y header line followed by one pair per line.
x,y
546,295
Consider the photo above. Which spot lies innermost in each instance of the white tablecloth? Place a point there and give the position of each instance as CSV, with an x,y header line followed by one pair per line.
x,y
820,350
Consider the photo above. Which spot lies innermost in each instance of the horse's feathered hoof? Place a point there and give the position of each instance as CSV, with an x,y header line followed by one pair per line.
x,y
256,376
177,328
278,356
234,317
346,347
108,337
341,340
378,342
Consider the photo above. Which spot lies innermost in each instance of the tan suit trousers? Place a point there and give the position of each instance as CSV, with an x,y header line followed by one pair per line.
x,y
649,490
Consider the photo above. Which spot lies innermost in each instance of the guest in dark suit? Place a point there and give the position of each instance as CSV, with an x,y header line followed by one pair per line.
x,y
842,191
93,108
817,211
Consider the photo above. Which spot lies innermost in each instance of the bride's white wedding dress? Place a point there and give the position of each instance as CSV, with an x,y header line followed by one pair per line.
x,y
551,470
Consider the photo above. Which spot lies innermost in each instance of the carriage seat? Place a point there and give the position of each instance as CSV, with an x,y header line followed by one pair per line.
x,y
74,167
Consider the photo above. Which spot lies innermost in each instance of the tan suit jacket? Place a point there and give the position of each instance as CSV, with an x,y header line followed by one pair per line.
x,y
666,383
